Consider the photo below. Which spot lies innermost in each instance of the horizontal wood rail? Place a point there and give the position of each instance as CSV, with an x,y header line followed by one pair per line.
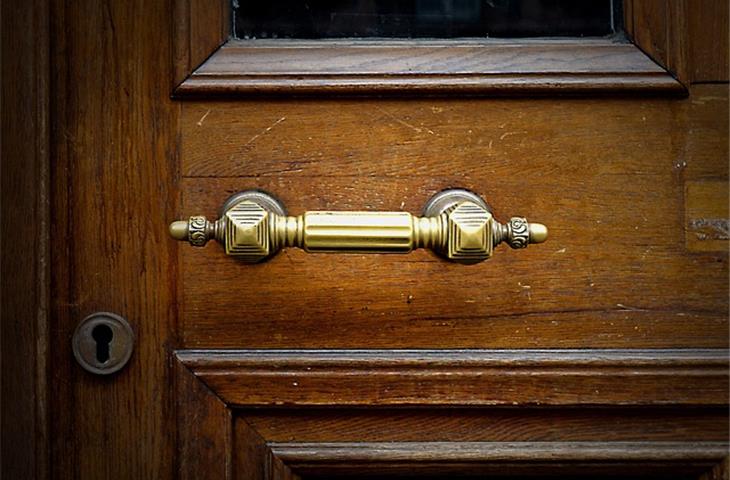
x,y
462,377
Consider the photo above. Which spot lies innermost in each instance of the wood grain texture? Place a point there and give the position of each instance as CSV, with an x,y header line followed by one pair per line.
x,y
659,28
704,141
24,248
708,221
708,41
114,186
205,430
200,27
500,424
296,442
485,458
430,67
462,377
604,280
608,176
690,39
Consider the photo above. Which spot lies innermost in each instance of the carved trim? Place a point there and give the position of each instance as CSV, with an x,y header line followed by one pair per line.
x,y
462,377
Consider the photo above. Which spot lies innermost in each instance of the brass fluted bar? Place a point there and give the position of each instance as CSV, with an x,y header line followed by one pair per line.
x,y
462,231
381,232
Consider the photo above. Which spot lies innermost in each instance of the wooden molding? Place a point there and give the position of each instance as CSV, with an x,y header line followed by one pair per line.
x,y
485,458
462,377
207,63
200,27
488,67
204,429
658,28
213,439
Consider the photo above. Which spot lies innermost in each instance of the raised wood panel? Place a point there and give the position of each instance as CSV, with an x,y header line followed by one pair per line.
x,y
605,176
462,377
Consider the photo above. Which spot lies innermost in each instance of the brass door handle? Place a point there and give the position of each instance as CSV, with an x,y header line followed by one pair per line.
x,y
456,224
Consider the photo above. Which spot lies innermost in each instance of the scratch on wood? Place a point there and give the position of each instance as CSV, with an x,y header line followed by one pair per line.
x,y
507,134
202,119
264,131
631,309
406,124
710,228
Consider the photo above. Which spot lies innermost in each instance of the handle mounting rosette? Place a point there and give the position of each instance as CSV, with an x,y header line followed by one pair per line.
x,y
457,224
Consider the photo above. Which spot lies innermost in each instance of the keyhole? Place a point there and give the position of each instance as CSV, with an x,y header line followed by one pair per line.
x,y
103,336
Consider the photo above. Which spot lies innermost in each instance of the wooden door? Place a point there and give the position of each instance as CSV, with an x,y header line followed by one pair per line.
x,y
602,352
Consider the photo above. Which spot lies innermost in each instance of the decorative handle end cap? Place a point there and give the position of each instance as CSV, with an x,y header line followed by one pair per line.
x,y
518,232
179,230
196,230
538,233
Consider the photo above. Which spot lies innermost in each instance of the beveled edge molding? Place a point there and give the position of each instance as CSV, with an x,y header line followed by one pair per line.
x,y
286,460
206,62
392,67
462,377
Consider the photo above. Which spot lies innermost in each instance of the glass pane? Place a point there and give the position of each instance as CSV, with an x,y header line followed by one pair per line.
x,y
424,18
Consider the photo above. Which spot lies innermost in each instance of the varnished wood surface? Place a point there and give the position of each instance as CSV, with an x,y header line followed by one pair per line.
x,y
117,157
518,424
594,458
204,435
659,28
708,41
689,42
606,176
690,39
200,27
288,441
708,219
476,377
24,248
114,184
429,67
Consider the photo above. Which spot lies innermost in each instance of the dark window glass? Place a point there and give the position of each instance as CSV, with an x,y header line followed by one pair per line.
x,y
425,18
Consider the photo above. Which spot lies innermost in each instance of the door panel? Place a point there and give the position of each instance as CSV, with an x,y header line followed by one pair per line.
x,y
602,351
367,413
606,176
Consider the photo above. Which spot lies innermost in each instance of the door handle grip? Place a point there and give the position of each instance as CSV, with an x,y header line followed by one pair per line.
x,y
456,224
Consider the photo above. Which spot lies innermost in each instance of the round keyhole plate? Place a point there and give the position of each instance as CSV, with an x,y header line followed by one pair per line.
x,y
117,351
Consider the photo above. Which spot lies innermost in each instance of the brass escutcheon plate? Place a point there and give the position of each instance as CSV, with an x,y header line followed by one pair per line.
x,y
102,343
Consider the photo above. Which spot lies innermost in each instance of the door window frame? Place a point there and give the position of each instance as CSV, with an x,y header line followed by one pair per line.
x,y
648,59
